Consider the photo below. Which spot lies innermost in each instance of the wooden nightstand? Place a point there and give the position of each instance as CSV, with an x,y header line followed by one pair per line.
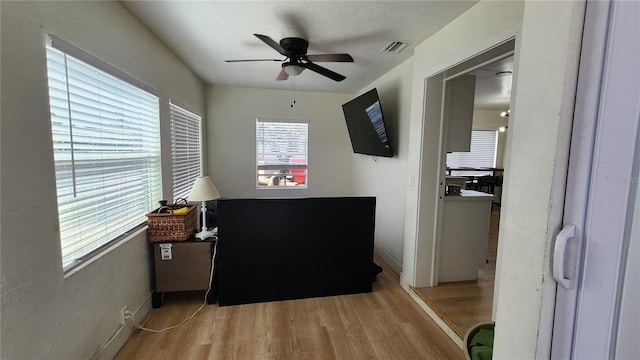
x,y
182,266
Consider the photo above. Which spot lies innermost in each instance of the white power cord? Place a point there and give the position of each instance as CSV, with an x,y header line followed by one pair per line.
x,y
138,326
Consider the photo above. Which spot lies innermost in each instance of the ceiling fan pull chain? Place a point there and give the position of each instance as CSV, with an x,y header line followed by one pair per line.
x,y
293,90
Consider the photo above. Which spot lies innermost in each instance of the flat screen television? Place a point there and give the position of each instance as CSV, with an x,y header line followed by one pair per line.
x,y
366,125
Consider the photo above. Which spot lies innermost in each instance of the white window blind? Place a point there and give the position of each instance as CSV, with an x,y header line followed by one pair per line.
x,y
281,153
484,145
106,145
186,150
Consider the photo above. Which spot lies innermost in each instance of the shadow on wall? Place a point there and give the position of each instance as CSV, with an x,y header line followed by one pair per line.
x,y
390,100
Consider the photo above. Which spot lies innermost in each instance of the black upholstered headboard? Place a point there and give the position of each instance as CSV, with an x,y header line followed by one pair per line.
x,y
290,248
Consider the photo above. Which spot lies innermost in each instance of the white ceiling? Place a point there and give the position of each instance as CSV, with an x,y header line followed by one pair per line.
x,y
493,85
206,33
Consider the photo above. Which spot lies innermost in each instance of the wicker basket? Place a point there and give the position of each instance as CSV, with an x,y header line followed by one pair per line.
x,y
171,227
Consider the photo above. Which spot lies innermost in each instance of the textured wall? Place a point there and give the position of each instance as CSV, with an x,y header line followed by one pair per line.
x,y
44,314
231,139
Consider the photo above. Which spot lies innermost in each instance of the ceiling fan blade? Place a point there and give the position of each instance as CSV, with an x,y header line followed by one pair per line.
x,y
323,71
330,58
231,61
269,41
282,75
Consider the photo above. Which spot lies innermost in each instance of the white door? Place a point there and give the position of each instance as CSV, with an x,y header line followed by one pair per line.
x,y
597,308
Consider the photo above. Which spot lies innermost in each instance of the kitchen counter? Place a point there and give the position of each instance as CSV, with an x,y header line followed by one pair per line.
x,y
465,235
466,195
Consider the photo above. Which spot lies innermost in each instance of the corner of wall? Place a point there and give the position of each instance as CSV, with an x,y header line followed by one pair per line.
x,y
394,264
112,346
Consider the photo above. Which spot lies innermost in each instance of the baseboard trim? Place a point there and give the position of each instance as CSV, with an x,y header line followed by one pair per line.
x,y
390,260
112,346
404,283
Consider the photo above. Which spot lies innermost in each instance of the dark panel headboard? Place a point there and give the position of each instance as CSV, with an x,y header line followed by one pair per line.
x,y
289,248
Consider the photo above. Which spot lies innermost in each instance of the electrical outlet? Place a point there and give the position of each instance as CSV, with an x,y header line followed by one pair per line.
x,y
125,315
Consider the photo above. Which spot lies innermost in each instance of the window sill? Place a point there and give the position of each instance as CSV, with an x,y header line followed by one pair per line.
x,y
75,267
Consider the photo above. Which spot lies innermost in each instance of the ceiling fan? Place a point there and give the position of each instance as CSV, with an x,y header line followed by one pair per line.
x,y
295,50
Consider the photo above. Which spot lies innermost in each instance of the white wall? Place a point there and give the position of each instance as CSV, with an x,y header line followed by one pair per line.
x,y
45,315
385,178
464,37
537,156
231,140
488,120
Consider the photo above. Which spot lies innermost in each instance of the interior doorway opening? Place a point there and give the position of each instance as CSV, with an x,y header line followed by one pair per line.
x,y
461,304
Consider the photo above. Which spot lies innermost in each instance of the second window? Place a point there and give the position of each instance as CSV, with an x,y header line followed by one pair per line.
x,y
281,153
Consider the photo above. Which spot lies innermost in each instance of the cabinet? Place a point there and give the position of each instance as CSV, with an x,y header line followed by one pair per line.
x,y
182,266
465,235
459,102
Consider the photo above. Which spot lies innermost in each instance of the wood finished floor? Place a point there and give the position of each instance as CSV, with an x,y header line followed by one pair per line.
x,y
384,324
463,304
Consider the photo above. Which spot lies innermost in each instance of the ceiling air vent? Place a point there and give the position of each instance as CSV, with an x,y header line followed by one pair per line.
x,y
394,46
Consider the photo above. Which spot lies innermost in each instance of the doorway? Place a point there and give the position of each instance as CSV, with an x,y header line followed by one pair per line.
x,y
468,301
432,195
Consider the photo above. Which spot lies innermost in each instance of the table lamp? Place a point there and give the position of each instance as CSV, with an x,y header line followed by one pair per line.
x,y
204,190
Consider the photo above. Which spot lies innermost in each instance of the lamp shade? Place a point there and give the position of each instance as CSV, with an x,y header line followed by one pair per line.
x,y
203,190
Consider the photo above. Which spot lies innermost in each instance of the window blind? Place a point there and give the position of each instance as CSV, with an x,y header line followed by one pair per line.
x,y
281,152
484,145
106,145
186,153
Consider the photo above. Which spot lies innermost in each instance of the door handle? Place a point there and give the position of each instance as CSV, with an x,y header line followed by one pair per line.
x,y
559,251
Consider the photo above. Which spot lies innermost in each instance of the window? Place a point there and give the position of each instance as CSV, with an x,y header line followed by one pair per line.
x,y
186,160
106,145
281,153
484,145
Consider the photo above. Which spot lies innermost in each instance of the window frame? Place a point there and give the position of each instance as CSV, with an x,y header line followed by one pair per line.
x,y
190,116
148,155
284,168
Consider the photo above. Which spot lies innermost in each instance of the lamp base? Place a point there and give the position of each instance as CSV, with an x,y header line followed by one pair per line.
x,y
205,234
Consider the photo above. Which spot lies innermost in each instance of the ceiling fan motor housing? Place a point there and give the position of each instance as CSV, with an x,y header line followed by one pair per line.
x,y
294,45
295,51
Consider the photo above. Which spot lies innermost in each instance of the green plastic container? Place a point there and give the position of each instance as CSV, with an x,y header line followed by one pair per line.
x,y
479,341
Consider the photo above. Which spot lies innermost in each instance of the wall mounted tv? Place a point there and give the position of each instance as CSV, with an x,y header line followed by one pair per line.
x,y
365,122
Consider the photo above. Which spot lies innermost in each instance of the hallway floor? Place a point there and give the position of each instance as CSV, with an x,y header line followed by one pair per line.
x,y
463,304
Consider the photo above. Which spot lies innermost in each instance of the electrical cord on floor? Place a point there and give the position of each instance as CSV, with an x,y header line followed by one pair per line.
x,y
138,326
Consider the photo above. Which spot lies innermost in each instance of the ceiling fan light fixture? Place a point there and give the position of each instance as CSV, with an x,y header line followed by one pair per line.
x,y
292,69
296,59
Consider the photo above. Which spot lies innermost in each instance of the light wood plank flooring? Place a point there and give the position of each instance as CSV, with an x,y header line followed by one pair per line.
x,y
384,324
463,304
